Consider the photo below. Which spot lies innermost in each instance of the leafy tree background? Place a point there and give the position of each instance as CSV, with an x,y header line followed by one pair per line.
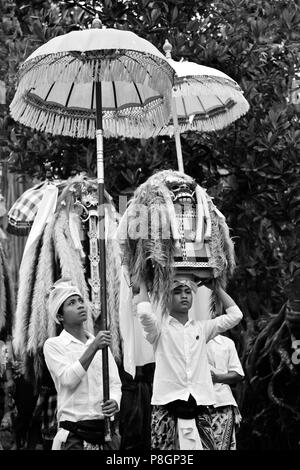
x,y
251,167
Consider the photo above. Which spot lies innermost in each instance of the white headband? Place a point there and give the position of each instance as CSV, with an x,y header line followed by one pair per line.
x,y
61,290
185,282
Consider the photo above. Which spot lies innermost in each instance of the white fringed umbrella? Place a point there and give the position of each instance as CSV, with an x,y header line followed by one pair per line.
x,y
57,90
94,82
203,99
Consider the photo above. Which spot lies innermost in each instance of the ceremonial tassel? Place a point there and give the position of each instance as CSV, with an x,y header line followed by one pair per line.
x,y
200,216
74,226
207,233
171,212
94,280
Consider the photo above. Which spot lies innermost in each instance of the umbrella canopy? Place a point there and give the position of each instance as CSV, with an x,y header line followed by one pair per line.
x,y
204,99
56,91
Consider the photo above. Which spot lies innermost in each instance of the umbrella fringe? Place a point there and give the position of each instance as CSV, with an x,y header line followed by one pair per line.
x,y
131,66
219,87
204,123
115,123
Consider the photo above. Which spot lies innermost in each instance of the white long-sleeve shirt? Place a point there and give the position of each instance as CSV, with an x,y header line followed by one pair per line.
x,y
79,392
180,354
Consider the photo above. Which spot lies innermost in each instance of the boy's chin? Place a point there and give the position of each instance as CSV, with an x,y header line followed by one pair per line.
x,y
185,309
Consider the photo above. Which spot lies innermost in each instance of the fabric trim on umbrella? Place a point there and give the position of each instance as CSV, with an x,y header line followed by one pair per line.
x,y
54,118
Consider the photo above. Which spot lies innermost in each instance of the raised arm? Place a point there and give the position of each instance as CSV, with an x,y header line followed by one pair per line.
x,y
223,322
145,315
225,299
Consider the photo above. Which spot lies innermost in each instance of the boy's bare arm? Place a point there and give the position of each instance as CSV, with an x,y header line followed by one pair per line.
x,y
229,378
215,286
224,322
145,315
225,298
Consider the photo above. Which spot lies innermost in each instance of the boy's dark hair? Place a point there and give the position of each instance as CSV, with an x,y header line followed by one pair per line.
x,y
60,326
60,312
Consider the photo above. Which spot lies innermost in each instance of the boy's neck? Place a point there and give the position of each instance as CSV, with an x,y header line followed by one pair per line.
x,y
78,332
182,317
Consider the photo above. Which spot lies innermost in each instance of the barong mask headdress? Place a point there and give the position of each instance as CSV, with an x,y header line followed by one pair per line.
x,y
171,224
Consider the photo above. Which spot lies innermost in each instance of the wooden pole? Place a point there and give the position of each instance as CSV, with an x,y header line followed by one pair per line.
x,y
177,137
102,263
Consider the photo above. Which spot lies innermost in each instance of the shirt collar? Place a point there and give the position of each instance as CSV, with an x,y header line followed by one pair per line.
x,y
218,339
67,338
170,319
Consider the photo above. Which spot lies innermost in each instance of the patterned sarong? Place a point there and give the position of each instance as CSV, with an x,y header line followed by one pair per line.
x,y
164,429
223,424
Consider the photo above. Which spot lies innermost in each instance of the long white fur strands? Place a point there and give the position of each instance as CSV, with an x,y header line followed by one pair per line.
x,y
69,260
6,299
228,245
38,326
218,259
113,266
23,311
57,252
2,294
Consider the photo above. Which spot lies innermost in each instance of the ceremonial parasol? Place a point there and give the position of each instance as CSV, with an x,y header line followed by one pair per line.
x,y
203,99
89,83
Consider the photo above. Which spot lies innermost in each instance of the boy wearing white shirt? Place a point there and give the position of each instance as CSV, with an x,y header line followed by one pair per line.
x,y
226,370
182,388
75,364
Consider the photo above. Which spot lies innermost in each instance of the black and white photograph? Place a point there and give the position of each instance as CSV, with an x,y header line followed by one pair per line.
x,y
150,229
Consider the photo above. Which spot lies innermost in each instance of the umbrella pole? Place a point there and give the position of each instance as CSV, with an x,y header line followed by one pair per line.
x,y
102,264
177,137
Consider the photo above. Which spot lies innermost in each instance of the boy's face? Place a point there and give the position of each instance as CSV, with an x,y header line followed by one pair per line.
x,y
74,311
182,299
